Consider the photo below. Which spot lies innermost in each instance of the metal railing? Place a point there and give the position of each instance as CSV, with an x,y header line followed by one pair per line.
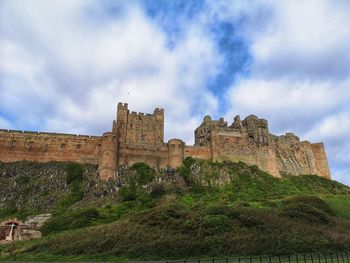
x,y
338,257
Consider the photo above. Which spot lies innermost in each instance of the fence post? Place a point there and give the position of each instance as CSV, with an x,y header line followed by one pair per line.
x,y
279,258
226,260
288,259
199,260
269,258
319,258
296,256
239,259
260,259
304,258
312,258
213,260
325,258
250,259
331,258
336,253
342,257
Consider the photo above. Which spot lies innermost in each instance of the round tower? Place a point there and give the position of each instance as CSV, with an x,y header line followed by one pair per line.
x,y
108,157
175,152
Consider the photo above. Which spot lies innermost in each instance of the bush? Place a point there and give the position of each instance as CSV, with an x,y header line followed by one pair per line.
x,y
305,212
70,220
313,201
215,224
75,173
222,210
127,193
157,191
144,173
189,161
250,221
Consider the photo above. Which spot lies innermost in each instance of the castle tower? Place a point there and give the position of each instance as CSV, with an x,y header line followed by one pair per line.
x,y
321,160
175,152
203,134
120,125
257,129
159,125
108,156
138,128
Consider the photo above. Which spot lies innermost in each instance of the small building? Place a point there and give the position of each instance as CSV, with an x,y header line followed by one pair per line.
x,y
15,229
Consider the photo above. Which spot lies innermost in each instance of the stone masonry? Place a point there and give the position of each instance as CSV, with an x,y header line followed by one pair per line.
x,y
138,137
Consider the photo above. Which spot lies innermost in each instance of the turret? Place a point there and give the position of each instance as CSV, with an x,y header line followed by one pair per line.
x,y
122,119
257,129
175,152
108,156
159,122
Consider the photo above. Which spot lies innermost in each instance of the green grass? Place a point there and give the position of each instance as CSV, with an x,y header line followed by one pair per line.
x,y
340,204
252,213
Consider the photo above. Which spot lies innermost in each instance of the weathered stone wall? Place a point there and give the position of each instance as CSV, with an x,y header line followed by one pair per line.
x,y
139,137
321,159
45,147
156,157
200,152
139,128
250,141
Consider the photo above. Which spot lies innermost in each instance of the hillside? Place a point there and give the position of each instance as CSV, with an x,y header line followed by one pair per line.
x,y
202,209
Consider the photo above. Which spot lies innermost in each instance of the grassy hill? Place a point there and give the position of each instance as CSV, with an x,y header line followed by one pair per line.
x,y
203,209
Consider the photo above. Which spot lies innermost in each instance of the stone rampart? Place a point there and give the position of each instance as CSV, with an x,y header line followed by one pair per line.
x,y
139,137
44,147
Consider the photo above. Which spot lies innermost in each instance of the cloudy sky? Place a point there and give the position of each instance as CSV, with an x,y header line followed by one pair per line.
x,y
65,64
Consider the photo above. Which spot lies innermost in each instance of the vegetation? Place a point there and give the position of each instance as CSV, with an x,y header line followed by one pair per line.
x,y
222,209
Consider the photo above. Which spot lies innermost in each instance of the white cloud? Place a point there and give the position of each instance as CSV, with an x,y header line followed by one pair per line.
x,y
67,73
65,65
288,105
299,78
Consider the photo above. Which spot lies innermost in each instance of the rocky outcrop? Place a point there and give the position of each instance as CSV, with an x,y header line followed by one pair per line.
x,y
38,187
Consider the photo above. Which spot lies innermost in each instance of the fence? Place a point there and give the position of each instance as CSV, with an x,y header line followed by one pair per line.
x,y
339,257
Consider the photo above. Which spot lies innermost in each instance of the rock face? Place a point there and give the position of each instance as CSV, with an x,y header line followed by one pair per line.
x,y
139,137
38,187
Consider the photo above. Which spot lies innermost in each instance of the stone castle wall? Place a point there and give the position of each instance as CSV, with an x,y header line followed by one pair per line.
x,y
138,137
45,147
250,141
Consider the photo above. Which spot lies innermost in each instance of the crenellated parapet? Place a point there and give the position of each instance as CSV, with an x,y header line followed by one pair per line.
x,y
139,137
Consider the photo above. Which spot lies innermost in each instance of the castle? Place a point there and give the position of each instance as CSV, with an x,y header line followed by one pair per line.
x,y
138,137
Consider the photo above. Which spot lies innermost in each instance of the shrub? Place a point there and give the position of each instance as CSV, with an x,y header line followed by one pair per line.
x,y
127,193
189,161
215,224
184,172
75,173
144,173
305,212
250,221
313,201
157,191
70,220
222,210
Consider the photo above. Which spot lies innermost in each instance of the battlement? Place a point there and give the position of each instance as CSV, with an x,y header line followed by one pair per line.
x,y
53,134
139,137
139,128
255,130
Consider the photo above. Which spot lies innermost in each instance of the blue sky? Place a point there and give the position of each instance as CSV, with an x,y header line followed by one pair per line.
x,y
65,64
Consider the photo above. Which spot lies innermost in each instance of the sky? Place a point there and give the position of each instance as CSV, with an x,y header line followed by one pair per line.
x,y
64,66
